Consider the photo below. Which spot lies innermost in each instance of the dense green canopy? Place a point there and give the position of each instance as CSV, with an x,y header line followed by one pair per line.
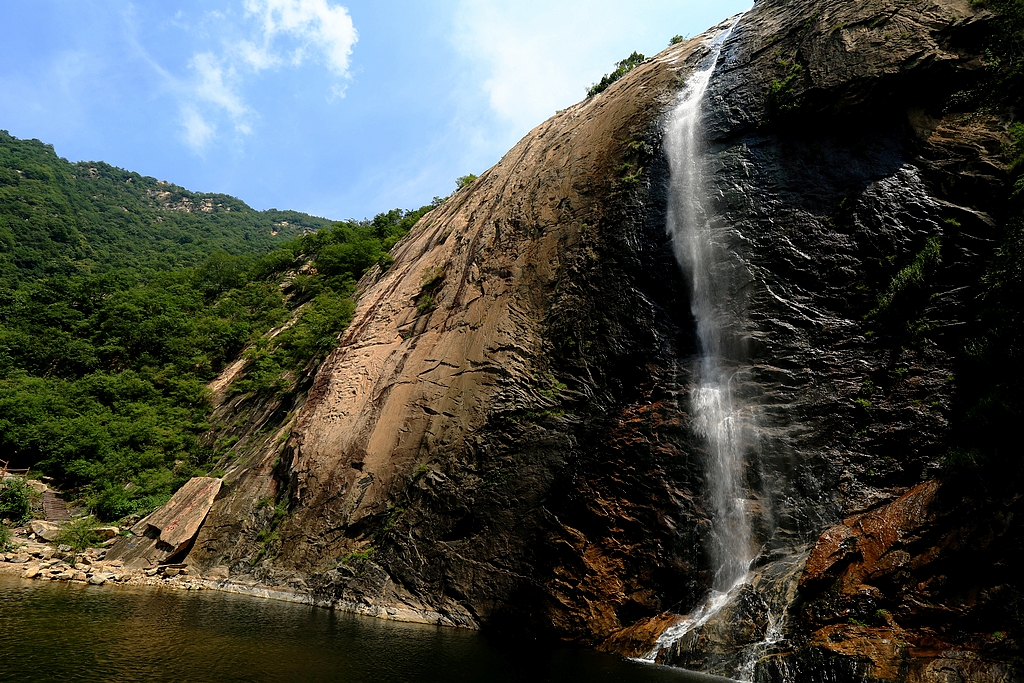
x,y
121,297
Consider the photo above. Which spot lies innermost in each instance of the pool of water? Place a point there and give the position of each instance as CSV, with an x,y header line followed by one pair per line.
x,y
71,632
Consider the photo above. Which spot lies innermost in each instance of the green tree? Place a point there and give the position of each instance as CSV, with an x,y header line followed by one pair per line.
x,y
621,69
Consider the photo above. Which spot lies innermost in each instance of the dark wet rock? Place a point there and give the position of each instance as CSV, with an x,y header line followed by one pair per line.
x,y
927,582
521,455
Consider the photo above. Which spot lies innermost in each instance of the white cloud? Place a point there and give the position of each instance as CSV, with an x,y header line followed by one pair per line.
x,y
256,57
212,87
536,56
316,23
275,34
197,132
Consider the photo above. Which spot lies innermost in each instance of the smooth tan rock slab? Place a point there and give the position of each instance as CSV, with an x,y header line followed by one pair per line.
x,y
180,518
48,531
169,528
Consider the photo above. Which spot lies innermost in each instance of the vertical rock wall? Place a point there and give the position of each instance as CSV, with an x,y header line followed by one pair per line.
x,y
502,437
841,160
498,439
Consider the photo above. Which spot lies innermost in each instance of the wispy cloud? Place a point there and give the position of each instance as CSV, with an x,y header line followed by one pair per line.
x,y
215,84
266,35
536,56
196,131
322,29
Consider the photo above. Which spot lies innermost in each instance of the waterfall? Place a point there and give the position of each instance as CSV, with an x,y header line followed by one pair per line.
x,y
717,416
719,419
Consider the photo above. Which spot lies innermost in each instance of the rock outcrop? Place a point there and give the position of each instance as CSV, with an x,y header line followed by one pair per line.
x,y
916,589
476,446
169,530
502,437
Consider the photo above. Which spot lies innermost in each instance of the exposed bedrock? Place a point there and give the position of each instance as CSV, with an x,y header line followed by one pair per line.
x,y
502,437
498,439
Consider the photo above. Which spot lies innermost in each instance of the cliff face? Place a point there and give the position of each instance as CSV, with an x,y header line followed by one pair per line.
x,y
503,436
843,163
486,445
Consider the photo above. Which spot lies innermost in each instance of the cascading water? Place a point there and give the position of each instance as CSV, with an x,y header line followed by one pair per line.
x,y
718,417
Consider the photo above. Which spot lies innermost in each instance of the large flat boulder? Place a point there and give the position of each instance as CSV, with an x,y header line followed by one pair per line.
x,y
48,531
169,529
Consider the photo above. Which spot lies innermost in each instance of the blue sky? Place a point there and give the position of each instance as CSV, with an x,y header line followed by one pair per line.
x,y
339,109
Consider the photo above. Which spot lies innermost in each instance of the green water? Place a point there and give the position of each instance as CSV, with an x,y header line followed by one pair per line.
x,y
70,632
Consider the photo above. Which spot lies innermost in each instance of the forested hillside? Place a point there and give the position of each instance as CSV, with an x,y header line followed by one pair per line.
x,y
121,297
62,218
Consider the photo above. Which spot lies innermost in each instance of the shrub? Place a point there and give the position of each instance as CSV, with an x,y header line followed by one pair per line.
x,y
426,304
5,539
15,500
114,502
621,69
79,534
908,284
462,181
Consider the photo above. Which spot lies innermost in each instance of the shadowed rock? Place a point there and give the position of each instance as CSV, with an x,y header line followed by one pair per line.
x,y
503,438
169,529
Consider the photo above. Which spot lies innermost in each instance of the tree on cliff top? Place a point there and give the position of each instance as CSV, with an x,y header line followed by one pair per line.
x,y
621,69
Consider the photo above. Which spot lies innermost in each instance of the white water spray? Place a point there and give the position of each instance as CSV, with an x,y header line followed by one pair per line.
x,y
718,419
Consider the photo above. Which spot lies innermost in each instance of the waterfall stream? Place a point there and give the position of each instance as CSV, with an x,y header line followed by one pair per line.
x,y
719,419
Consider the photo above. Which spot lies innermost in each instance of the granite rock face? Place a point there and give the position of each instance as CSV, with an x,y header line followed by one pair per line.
x,y
169,530
503,438
497,439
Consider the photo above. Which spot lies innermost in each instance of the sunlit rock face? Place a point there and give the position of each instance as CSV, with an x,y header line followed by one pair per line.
x,y
501,437
509,434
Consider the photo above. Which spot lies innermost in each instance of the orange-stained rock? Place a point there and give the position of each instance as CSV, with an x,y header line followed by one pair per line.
x,y
637,640
900,590
862,547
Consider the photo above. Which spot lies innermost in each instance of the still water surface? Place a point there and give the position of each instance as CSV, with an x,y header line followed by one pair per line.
x,y
66,633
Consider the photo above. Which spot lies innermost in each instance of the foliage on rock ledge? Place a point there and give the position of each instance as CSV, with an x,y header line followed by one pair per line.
x,y
621,69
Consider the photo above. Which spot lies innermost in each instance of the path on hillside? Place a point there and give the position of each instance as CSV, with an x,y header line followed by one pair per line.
x,y
54,508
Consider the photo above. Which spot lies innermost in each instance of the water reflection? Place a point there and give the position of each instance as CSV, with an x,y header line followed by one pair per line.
x,y
62,632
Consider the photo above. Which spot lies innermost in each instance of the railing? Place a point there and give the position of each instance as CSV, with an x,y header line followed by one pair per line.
x,y
5,469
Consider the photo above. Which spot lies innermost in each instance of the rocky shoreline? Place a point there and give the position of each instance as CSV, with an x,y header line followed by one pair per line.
x,y
33,557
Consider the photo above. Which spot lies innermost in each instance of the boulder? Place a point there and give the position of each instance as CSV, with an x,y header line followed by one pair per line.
x,y
217,573
169,529
44,552
48,531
